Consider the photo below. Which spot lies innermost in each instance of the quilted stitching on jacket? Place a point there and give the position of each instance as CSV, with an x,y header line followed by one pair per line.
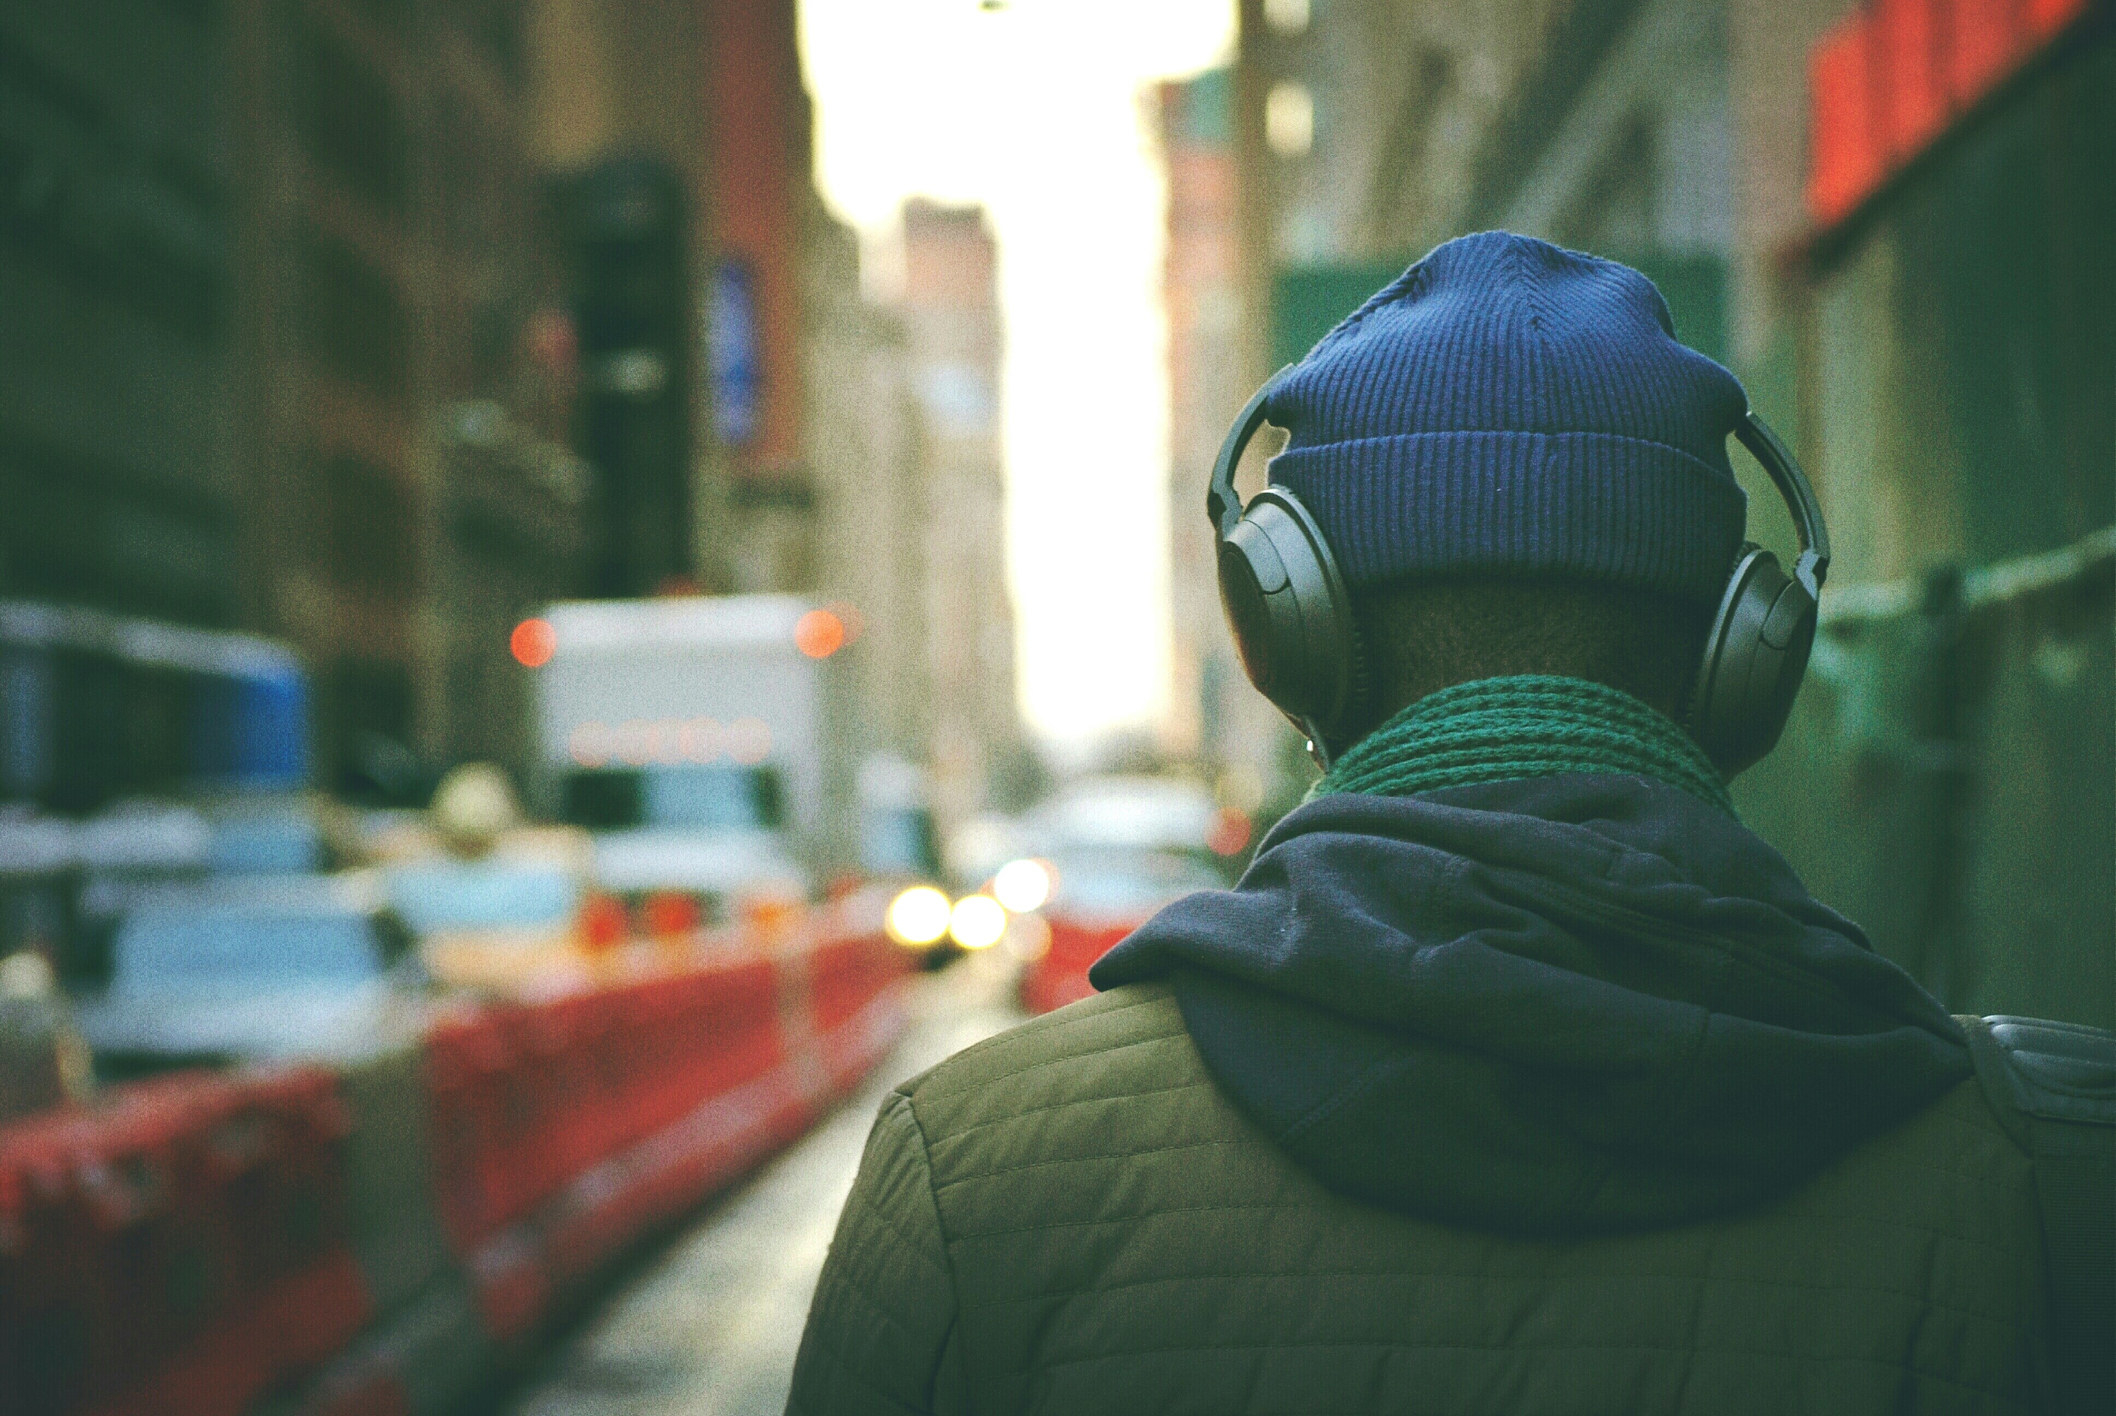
x,y
1071,1218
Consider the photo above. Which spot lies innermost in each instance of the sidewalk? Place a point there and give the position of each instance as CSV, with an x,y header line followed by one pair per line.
x,y
710,1327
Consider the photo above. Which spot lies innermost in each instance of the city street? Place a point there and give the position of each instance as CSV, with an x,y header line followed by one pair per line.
x,y
589,586
709,1326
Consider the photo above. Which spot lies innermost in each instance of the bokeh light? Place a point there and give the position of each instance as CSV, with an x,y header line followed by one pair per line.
x,y
532,643
1022,885
589,744
977,922
1028,938
918,917
819,634
749,740
1230,832
604,923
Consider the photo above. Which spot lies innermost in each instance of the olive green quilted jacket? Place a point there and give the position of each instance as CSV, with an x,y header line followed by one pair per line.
x,y
1070,1217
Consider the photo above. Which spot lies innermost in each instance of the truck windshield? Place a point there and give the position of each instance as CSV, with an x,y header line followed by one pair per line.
x,y
700,798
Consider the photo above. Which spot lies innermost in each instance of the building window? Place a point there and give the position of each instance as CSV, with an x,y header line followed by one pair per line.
x,y
355,324
368,529
349,123
1289,119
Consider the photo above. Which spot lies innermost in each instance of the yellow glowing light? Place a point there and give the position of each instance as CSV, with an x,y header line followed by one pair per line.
x,y
977,922
918,917
1022,885
1289,119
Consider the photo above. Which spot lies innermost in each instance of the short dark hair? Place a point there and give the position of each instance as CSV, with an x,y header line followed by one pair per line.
x,y
1424,634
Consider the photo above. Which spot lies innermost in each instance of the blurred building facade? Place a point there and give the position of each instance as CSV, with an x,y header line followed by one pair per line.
x,y
408,494
1899,234
271,270
622,123
374,326
949,307
763,197
837,447
866,538
1216,720
116,372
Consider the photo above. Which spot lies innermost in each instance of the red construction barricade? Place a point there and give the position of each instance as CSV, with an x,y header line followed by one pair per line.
x,y
176,1248
845,975
101,1277
1909,74
466,1066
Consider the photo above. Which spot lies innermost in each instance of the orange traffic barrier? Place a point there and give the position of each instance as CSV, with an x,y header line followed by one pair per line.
x,y
183,1247
178,1248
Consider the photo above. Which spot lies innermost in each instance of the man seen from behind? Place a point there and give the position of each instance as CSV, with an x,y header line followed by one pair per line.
x,y
1516,1075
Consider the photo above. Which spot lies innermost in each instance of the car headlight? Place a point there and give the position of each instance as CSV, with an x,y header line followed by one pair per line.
x,y
918,918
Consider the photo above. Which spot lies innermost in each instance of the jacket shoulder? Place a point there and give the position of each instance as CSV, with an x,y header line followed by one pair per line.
x,y
1048,1115
1111,1047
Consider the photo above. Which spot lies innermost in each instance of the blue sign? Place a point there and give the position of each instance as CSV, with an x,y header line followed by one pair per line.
x,y
731,353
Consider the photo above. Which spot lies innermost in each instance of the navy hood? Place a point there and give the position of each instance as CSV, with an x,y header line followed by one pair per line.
x,y
1552,1006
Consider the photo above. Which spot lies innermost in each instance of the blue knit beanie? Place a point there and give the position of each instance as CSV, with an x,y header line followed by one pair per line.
x,y
1505,407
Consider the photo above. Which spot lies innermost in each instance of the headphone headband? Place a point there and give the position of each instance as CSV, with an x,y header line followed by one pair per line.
x,y
1222,503
1799,497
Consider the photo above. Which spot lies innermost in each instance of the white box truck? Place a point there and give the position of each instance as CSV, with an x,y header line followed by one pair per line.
x,y
704,741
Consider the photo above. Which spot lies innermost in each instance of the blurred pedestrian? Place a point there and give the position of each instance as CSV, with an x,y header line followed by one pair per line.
x,y
1516,1075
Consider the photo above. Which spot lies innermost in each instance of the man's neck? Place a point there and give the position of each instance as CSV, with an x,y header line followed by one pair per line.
x,y
1530,725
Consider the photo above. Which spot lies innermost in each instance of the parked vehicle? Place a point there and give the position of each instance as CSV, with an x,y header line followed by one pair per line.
x,y
251,969
100,707
495,923
1099,894
1115,849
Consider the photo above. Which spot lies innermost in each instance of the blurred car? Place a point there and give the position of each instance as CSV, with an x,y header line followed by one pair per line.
x,y
253,969
517,916
492,923
1098,895
1117,848
1142,812
697,738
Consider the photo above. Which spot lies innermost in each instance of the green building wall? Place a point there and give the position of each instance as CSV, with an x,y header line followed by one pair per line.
x,y
1949,776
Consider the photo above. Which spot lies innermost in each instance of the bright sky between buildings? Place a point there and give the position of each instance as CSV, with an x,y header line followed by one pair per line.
x,y
1035,109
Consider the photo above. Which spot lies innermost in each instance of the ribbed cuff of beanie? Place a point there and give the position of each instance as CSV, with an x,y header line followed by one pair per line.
x,y
1598,506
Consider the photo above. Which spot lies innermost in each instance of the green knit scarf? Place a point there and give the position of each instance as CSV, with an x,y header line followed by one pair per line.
x,y
1529,725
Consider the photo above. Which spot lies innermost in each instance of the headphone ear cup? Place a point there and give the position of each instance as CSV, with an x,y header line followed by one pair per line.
x,y
1291,617
1247,564
1755,658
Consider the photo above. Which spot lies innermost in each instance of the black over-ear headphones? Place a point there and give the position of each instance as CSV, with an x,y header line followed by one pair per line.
x,y
1291,615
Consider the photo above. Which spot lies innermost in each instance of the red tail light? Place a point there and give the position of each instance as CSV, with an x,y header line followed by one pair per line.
x,y
603,923
671,912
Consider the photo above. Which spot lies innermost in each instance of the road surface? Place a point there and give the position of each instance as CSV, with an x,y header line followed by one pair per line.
x,y
709,1326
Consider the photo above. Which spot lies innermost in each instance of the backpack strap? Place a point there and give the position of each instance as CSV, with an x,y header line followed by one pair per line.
x,y
2053,1087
